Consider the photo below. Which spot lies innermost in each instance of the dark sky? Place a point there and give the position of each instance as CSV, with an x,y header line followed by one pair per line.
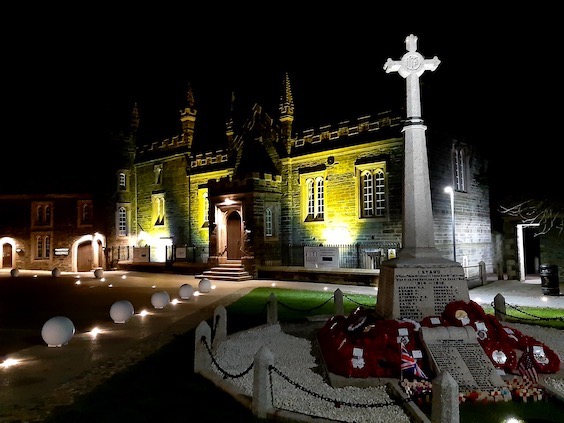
x,y
66,81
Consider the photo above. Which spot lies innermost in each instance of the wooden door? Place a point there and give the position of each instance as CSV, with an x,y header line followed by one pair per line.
x,y
84,257
234,236
7,255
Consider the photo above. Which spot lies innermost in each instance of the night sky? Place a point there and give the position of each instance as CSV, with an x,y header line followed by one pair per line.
x,y
69,82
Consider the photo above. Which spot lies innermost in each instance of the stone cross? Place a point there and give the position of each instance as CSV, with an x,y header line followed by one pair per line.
x,y
418,231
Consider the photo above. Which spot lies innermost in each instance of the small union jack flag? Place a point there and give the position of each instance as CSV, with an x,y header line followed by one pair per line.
x,y
409,364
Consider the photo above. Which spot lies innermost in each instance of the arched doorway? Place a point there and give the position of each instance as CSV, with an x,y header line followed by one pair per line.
x,y
234,236
6,255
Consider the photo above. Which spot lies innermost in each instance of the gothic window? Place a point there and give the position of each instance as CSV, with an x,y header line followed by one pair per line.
x,y
372,181
315,198
459,168
122,221
122,181
84,213
42,214
268,223
206,208
42,247
158,169
158,210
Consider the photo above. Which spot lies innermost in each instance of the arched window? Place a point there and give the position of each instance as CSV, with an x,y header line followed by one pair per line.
x,y
86,213
268,222
459,166
315,209
122,181
373,192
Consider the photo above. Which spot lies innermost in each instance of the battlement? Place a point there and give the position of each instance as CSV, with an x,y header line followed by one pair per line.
x,y
363,124
164,145
208,158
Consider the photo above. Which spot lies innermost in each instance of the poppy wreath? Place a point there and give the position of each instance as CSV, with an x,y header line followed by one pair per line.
x,y
472,310
507,356
549,363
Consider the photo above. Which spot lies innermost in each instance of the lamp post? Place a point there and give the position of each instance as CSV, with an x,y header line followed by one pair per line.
x,y
450,192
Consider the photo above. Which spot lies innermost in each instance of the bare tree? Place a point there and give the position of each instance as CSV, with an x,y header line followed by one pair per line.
x,y
548,215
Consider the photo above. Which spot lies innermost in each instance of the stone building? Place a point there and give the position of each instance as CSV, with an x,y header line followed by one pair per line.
x,y
272,190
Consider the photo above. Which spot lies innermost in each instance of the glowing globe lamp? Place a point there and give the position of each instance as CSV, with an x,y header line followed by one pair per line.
x,y
57,331
160,299
204,285
121,311
186,291
56,272
15,273
98,273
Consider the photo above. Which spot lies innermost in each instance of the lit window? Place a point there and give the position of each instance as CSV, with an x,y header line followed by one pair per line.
x,y
158,210
206,210
42,213
372,191
122,181
459,168
122,221
315,209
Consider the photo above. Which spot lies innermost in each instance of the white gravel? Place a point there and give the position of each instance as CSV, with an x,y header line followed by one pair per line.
x,y
293,357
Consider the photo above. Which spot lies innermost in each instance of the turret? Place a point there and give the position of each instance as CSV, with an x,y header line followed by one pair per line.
x,y
188,118
286,112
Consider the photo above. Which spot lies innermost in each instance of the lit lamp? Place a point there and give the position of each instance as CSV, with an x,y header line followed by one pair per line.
x,y
450,192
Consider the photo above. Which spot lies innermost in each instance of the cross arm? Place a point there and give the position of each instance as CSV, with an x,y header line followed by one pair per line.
x,y
392,66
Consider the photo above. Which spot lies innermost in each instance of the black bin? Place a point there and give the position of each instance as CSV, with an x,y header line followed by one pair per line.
x,y
549,279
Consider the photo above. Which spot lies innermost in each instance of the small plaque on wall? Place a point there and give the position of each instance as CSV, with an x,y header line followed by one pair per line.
x,y
61,251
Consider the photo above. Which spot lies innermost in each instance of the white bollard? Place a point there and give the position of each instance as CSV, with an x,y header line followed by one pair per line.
x,y
186,291
57,331
121,311
338,299
160,299
272,310
220,326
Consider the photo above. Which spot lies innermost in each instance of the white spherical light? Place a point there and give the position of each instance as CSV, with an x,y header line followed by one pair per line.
x,y
121,311
98,273
186,291
57,331
160,299
15,273
204,285
56,272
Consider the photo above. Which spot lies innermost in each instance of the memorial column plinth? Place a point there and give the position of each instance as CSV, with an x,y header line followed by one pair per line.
x,y
419,282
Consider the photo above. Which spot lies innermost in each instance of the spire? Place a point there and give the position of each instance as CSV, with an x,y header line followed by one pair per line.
x,y
286,112
188,118
229,124
135,118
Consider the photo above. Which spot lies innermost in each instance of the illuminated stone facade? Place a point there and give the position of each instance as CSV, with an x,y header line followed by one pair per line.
x,y
272,187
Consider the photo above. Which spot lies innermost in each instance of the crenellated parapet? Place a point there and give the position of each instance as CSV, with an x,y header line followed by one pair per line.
x,y
346,129
209,158
166,145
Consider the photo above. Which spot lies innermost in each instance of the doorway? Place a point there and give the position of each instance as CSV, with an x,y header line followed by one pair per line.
x,y
234,236
84,257
6,255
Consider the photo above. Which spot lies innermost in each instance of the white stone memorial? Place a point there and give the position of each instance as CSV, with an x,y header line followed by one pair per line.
x,y
418,282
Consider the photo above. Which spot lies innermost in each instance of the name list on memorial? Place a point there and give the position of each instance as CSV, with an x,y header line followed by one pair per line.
x,y
426,292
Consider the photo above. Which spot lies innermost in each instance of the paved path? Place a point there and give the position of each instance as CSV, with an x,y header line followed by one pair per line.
x,y
49,376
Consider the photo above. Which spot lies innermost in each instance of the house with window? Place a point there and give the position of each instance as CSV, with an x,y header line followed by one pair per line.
x,y
48,231
272,190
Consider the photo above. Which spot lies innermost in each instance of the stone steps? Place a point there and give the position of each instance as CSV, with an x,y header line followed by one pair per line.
x,y
231,271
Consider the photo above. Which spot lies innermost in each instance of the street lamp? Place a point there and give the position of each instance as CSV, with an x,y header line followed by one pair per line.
x,y
450,192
